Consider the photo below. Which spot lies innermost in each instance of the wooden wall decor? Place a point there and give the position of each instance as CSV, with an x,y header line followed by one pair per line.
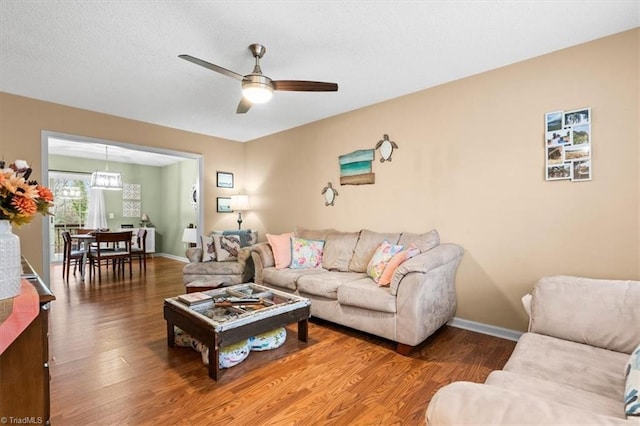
x,y
355,168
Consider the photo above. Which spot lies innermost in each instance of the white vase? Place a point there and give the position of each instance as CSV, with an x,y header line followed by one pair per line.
x,y
10,264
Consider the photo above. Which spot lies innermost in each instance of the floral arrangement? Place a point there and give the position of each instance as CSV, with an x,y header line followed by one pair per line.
x,y
20,198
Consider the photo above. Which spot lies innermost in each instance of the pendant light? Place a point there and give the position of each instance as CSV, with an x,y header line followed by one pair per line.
x,y
106,179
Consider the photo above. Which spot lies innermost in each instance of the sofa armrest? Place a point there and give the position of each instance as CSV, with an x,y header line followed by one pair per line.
x,y
480,404
194,254
425,262
596,312
262,257
425,292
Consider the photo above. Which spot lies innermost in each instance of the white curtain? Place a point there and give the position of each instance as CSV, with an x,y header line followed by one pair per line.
x,y
96,211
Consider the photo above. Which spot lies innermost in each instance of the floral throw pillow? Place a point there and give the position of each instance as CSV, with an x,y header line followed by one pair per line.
x,y
381,258
395,262
208,249
632,386
227,247
306,254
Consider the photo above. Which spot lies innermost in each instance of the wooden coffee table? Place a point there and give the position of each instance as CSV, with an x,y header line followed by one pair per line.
x,y
217,326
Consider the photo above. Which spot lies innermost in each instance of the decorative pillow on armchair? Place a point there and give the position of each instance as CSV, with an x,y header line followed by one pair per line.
x,y
381,258
632,387
208,249
306,254
227,247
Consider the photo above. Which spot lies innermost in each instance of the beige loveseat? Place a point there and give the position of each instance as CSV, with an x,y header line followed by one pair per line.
x,y
420,299
568,369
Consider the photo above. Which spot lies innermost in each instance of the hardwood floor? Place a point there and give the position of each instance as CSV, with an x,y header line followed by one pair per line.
x,y
111,365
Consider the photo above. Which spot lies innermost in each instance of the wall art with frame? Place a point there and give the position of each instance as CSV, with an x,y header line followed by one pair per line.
x,y
223,205
224,180
568,145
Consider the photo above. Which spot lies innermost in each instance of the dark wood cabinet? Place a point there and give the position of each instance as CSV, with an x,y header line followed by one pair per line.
x,y
24,365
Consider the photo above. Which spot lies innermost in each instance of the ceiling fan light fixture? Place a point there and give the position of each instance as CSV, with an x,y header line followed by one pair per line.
x,y
257,92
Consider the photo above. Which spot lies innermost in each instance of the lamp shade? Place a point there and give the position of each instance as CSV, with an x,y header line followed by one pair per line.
x,y
240,202
190,235
106,180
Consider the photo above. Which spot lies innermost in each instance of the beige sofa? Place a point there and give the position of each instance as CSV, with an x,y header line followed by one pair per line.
x,y
420,299
568,369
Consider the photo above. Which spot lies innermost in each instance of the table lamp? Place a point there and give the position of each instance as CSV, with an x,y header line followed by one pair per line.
x,y
190,235
240,203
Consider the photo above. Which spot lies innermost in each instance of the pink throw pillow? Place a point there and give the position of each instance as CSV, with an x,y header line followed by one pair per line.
x,y
383,254
395,262
281,247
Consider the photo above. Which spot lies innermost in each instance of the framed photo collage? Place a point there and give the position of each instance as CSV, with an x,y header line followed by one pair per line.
x,y
568,145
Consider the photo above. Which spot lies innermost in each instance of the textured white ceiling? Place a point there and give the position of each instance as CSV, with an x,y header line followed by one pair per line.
x,y
120,57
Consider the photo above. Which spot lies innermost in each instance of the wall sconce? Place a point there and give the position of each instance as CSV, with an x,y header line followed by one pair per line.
x,y
190,236
240,203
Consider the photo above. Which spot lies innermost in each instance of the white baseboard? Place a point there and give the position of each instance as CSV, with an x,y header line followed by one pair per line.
x,y
171,256
491,330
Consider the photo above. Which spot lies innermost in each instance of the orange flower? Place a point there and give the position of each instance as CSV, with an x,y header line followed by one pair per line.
x,y
45,193
24,205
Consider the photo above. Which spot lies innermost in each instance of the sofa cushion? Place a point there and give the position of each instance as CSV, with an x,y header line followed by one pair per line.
x,y
213,268
306,253
424,242
602,313
557,392
326,285
382,256
314,234
367,244
585,367
632,385
281,247
227,247
365,293
287,278
338,250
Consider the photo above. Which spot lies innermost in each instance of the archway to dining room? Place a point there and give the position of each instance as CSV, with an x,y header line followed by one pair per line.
x,y
148,174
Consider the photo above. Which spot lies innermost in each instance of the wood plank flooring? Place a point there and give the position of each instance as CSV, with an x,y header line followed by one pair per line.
x,y
111,365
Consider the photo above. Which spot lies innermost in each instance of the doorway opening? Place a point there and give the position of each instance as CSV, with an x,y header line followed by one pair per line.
x,y
74,187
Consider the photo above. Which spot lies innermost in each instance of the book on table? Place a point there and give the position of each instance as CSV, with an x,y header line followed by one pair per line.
x,y
194,298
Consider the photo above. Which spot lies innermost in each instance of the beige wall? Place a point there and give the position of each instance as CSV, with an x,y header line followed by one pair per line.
x,y
470,164
23,119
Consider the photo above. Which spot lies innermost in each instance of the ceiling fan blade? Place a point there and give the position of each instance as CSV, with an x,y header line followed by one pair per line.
x,y
304,86
243,106
212,67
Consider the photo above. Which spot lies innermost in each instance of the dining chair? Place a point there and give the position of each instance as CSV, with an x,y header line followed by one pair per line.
x,y
68,255
117,256
139,250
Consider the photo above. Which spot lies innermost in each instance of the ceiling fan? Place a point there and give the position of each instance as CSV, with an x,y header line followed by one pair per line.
x,y
257,88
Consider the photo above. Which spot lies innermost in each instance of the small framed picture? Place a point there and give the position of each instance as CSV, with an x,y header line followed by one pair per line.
x,y
555,155
224,204
224,180
578,116
553,121
581,170
560,172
